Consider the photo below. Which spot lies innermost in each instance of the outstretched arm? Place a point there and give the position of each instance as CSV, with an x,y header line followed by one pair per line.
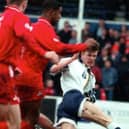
x,y
52,56
48,39
62,63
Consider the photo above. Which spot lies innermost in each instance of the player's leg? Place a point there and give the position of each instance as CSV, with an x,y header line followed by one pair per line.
x,y
11,115
14,116
3,116
30,112
67,113
45,122
9,103
3,112
30,103
92,112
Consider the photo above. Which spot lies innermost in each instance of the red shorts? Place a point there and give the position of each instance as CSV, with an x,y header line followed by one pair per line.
x,y
29,84
7,89
29,93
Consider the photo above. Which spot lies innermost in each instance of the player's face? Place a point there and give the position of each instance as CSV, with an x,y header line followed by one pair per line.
x,y
89,58
56,15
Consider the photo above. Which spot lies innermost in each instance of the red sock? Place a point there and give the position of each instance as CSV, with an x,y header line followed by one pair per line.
x,y
25,125
3,125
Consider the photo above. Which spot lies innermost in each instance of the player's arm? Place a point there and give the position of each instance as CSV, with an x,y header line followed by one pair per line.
x,y
45,122
52,56
62,63
46,36
23,30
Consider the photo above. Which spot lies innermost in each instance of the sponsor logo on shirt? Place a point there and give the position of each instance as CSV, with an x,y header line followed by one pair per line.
x,y
29,27
84,75
55,39
16,98
1,19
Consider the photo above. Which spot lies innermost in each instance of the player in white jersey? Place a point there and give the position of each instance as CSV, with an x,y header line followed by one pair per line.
x,y
77,82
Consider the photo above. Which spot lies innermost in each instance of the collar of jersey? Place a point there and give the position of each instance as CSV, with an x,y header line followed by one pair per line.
x,y
80,60
13,7
45,21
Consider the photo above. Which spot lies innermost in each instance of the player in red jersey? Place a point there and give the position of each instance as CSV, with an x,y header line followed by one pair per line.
x,y
14,27
30,87
32,65
44,33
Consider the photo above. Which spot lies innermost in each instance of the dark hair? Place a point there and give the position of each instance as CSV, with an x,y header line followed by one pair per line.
x,y
50,4
94,47
17,2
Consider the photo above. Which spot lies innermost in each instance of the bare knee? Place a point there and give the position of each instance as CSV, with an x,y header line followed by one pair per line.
x,y
94,113
3,112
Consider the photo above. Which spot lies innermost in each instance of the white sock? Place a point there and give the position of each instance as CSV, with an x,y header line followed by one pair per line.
x,y
112,125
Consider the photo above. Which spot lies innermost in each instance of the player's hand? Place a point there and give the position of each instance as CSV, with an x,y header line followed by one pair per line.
x,y
52,56
75,56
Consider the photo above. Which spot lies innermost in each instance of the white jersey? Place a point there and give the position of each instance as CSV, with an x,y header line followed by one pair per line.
x,y
76,77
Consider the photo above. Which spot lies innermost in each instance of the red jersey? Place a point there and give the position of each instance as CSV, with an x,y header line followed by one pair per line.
x,y
15,26
30,79
31,66
45,34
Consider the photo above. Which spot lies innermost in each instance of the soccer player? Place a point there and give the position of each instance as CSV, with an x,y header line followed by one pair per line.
x,y
30,87
44,33
32,65
14,27
77,82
